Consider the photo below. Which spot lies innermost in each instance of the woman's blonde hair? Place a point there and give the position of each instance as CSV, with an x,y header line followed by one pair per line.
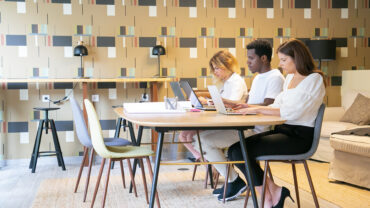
x,y
225,61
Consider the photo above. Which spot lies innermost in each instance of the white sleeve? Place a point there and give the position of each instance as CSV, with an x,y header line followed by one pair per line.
x,y
296,103
234,91
274,87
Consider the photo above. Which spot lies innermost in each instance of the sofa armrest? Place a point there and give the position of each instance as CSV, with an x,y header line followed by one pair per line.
x,y
333,113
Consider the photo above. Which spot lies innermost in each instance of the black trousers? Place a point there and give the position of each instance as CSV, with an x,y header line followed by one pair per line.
x,y
283,140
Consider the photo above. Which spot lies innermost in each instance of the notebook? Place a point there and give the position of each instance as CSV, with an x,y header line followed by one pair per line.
x,y
219,104
194,98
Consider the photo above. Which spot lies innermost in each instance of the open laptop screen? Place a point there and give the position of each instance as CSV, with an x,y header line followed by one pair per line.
x,y
191,94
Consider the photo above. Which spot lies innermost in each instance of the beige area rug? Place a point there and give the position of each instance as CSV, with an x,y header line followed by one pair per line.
x,y
343,195
175,190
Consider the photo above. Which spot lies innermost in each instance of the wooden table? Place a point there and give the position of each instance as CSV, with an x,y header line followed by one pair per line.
x,y
198,121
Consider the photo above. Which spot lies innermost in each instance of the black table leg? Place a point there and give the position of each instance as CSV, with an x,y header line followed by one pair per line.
x,y
246,159
156,168
35,154
138,142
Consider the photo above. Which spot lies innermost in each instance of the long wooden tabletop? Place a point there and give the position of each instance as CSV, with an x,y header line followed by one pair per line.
x,y
198,119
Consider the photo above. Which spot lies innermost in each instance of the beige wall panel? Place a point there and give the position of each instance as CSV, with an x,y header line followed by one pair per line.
x,y
334,97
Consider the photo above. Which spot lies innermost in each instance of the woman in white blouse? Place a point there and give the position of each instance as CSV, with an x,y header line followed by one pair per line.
x,y
302,95
223,66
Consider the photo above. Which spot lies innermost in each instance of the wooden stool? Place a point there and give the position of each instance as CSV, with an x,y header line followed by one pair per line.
x,y
47,124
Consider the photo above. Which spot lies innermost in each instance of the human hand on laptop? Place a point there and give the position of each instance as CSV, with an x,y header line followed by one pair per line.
x,y
250,110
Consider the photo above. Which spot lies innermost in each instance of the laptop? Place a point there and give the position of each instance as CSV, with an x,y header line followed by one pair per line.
x,y
194,98
176,89
219,104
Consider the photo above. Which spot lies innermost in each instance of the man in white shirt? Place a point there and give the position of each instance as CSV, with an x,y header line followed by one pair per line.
x,y
267,84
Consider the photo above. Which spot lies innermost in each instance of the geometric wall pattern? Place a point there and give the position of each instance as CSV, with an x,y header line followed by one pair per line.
x,y
37,40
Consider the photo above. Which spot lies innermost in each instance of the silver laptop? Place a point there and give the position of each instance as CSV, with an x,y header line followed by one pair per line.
x,y
219,104
194,98
176,89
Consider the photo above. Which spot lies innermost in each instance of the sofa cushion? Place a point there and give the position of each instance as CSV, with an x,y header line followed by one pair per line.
x,y
359,145
329,127
359,112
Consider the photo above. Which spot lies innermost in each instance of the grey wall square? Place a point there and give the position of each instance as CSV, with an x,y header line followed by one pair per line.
x,y
106,41
35,72
147,41
340,42
164,72
105,2
188,42
339,4
17,127
336,81
61,1
64,125
36,115
62,41
163,30
226,42
17,86
301,4
35,28
226,3
122,30
123,72
106,85
16,40
242,32
147,3
265,4
203,31
354,31
280,32
108,124
192,81
80,29
317,31
242,71
204,72
63,85
187,3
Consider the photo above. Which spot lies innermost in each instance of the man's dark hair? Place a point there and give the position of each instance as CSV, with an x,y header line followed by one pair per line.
x,y
261,47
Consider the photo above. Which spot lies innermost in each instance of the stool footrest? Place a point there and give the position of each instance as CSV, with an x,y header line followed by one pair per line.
x,y
47,155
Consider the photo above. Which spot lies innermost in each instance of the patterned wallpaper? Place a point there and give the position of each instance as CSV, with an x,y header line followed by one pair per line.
x,y
37,40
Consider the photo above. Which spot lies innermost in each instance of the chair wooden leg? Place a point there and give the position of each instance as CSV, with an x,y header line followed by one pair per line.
x,y
88,174
264,184
81,168
226,181
194,171
98,182
247,197
132,176
151,178
296,184
311,184
144,179
106,183
122,174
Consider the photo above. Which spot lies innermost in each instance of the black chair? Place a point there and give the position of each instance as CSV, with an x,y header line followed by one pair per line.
x,y
36,153
294,159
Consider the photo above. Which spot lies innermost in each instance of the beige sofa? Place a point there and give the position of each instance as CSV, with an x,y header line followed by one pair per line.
x,y
349,155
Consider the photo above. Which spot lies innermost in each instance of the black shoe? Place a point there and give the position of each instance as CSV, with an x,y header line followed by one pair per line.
x,y
284,193
234,189
218,191
192,159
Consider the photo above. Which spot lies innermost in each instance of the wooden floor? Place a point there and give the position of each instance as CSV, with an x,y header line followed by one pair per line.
x,y
18,186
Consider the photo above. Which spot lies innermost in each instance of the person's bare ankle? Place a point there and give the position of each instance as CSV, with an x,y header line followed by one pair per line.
x,y
276,196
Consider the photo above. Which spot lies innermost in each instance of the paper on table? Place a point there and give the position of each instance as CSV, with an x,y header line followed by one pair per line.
x,y
155,107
